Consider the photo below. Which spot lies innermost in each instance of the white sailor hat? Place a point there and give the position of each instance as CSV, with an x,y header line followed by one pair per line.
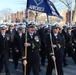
x,y
55,25
69,27
19,27
65,26
11,25
3,27
31,24
23,26
15,24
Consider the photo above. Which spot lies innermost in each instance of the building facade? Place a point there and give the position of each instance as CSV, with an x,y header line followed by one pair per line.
x,y
20,16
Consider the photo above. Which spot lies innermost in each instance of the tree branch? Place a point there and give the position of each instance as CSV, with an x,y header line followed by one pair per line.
x,y
66,3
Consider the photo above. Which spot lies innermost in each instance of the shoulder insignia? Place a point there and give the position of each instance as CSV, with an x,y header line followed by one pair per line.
x,y
36,38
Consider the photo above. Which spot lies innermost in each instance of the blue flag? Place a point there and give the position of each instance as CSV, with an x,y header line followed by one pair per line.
x,y
45,6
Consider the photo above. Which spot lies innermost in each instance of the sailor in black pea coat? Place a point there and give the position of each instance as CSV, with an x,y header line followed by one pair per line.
x,y
63,47
74,38
64,32
18,44
4,50
70,44
33,45
43,51
57,55
11,32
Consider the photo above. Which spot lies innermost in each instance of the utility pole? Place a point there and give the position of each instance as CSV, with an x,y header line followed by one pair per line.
x,y
21,18
36,15
74,10
75,4
75,7
71,13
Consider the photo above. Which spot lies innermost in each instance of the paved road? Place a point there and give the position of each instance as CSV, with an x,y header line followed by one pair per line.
x,y
68,70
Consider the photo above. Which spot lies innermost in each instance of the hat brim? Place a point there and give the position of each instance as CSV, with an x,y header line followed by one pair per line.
x,y
55,27
31,26
3,28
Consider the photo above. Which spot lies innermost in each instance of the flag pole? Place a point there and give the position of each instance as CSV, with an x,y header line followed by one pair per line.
x,y
52,48
36,14
25,51
26,13
48,18
54,55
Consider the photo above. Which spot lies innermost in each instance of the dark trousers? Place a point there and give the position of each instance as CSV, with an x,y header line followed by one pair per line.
x,y
32,65
4,59
71,53
50,66
1,63
75,50
43,55
16,57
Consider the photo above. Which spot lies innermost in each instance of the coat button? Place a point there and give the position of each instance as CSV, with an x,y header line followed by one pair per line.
x,y
32,50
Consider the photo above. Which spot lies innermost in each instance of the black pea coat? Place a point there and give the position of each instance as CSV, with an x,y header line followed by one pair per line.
x,y
57,52
70,46
43,51
4,47
11,37
19,43
4,52
33,49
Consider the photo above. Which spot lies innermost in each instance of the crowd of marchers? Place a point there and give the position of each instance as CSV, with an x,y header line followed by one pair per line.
x,y
33,43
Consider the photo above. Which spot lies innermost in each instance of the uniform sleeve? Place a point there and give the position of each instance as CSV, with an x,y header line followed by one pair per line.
x,y
23,48
49,48
15,42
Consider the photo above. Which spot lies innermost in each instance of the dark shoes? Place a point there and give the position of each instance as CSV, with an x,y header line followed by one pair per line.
x,y
65,64
8,74
75,62
39,69
0,71
15,67
42,64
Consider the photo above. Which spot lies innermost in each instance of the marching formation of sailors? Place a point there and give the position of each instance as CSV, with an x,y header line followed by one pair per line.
x,y
33,43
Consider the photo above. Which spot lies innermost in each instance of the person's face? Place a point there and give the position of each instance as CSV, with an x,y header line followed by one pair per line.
x,y
11,27
60,30
3,31
7,27
19,31
15,26
31,30
56,30
69,30
23,29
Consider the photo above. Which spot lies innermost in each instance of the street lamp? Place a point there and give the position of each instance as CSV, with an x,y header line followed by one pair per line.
x,y
71,13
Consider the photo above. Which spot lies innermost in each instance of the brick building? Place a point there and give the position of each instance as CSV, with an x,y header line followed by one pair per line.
x,y
20,17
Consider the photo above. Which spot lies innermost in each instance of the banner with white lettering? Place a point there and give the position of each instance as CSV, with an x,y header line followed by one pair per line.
x,y
45,6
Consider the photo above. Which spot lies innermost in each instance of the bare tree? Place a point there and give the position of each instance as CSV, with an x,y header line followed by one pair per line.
x,y
68,4
5,14
55,19
74,11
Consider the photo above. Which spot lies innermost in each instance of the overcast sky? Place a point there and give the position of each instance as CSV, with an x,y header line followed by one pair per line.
x,y
15,5
18,5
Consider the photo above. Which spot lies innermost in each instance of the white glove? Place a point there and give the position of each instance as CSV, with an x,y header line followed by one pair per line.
x,y
27,44
54,46
17,50
53,58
